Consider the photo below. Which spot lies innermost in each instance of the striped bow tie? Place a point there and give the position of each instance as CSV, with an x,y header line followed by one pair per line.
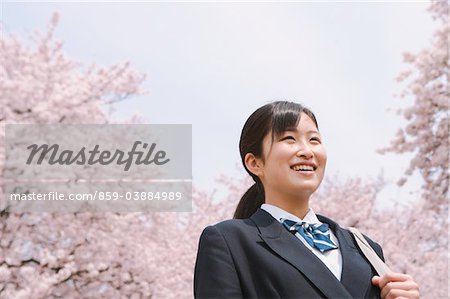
x,y
317,235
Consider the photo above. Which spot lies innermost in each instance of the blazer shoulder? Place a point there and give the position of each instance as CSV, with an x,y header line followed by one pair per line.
x,y
230,228
231,225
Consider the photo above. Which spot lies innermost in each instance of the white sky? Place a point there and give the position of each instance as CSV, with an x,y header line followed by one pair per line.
x,y
212,64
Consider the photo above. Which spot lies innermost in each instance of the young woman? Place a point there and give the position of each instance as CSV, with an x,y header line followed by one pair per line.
x,y
277,247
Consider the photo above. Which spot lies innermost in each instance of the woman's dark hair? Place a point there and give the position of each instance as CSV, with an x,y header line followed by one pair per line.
x,y
277,117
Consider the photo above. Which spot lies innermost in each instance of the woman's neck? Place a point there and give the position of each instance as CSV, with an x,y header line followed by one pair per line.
x,y
297,205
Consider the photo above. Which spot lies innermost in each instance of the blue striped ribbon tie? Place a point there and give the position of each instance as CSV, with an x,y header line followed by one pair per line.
x,y
317,235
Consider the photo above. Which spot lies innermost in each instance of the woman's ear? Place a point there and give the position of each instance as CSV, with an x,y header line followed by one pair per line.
x,y
254,165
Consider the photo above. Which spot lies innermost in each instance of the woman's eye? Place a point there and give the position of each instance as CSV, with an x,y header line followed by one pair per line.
x,y
288,137
291,137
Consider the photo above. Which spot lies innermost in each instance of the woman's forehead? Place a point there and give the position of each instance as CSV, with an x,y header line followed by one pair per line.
x,y
304,124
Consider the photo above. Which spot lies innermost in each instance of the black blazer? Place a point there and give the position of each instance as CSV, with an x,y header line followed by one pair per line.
x,y
258,258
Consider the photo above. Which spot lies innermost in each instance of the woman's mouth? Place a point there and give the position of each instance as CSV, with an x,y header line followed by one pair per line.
x,y
300,167
304,170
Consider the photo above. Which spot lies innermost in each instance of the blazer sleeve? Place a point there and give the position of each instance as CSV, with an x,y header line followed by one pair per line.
x,y
215,274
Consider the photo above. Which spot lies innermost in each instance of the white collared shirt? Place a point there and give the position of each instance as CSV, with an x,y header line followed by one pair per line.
x,y
331,258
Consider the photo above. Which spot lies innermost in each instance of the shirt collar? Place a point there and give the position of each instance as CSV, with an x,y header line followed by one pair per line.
x,y
279,213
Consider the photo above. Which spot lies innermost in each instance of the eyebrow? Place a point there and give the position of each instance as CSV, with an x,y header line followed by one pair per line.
x,y
308,132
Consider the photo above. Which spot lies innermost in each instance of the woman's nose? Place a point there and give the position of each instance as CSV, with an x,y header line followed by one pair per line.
x,y
305,151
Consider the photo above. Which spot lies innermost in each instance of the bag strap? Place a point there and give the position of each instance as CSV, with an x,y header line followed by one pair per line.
x,y
380,267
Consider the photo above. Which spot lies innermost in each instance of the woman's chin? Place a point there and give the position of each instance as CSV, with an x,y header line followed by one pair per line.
x,y
305,187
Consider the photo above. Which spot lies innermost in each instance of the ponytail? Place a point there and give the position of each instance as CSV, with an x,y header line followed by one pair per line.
x,y
250,201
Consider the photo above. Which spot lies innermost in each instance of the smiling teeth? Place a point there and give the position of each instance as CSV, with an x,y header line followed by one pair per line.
x,y
303,167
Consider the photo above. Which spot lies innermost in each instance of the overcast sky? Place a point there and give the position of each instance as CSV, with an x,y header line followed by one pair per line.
x,y
212,64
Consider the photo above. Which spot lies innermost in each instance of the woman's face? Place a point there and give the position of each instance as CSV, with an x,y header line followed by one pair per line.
x,y
288,160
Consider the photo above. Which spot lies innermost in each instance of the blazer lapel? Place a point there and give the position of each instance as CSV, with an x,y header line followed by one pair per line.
x,y
287,246
356,271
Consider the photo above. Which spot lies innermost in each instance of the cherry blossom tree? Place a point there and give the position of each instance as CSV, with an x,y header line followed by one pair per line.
x,y
61,254
426,133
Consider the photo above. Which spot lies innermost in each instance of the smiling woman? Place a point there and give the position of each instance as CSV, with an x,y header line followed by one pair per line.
x,y
277,247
